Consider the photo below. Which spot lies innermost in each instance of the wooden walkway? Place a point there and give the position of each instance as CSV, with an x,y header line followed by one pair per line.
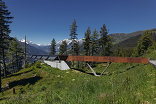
x,y
93,58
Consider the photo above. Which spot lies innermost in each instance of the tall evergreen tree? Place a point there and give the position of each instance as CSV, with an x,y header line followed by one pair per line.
x,y
76,48
76,51
73,29
105,41
86,43
144,43
73,37
63,48
5,20
128,52
25,53
118,51
53,47
94,42
15,54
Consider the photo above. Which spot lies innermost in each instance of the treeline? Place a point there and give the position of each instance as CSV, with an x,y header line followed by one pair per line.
x,y
99,43
145,44
94,43
11,51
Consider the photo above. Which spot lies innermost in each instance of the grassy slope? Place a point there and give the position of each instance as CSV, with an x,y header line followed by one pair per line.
x,y
121,84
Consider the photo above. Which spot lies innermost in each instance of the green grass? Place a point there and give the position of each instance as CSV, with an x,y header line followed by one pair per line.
x,y
120,84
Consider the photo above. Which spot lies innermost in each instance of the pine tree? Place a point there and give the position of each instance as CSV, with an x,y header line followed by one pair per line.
x,y
4,33
94,42
25,53
86,43
77,52
117,51
73,29
144,43
128,52
63,48
73,37
15,54
76,48
105,41
53,49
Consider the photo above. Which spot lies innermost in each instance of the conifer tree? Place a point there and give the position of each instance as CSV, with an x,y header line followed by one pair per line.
x,y
15,54
117,51
73,29
53,47
94,42
86,43
25,52
144,43
63,48
77,51
76,48
128,52
73,37
5,20
105,41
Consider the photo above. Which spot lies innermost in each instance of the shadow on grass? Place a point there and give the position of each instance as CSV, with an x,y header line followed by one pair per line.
x,y
85,71
23,82
19,73
129,68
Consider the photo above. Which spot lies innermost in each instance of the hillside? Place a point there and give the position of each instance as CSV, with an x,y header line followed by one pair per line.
x,y
120,84
120,37
132,41
31,50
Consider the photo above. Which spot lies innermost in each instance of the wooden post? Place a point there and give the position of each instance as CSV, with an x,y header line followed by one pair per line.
x,y
14,91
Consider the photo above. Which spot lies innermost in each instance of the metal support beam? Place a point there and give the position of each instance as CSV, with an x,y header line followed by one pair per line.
x,y
102,71
106,68
47,58
92,70
153,62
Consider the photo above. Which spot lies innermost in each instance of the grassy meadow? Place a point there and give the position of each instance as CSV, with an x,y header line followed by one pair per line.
x,y
121,84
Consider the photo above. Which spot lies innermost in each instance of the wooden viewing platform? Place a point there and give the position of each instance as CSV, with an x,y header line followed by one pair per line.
x,y
60,61
93,58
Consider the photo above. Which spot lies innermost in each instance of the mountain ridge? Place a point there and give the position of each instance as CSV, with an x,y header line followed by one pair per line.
x,y
122,39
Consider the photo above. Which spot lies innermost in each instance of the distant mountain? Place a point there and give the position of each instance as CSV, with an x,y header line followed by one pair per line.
x,y
31,48
118,37
122,39
34,48
69,43
131,42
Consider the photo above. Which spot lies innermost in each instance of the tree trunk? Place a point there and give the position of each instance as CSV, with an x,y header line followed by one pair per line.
x,y
16,63
4,64
78,64
0,79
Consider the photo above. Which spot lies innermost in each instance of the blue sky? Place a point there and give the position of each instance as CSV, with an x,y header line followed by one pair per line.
x,y
42,20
